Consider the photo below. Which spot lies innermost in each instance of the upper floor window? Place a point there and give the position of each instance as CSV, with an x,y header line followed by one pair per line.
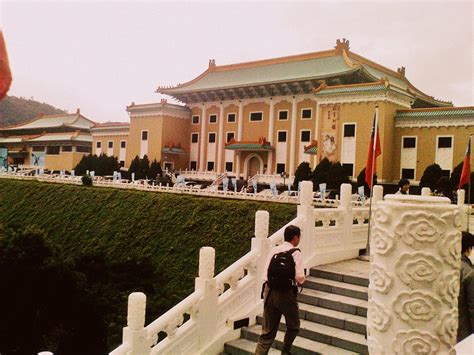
x,y
123,144
445,142
349,130
212,118
256,116
111,144
98,144
144,135
212,137
231,117
194,138
305,136
306,113
282,136
283,115
195,120
409,142
230,136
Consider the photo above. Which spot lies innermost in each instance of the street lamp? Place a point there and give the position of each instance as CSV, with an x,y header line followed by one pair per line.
x,y
283,175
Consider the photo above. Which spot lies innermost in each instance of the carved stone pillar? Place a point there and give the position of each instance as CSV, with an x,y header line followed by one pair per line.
x,y
135,335
414,276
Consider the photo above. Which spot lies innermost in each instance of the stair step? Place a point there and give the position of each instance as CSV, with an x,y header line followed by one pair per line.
x,y
245,347
316,338
350,271
346,321
337,287
335,302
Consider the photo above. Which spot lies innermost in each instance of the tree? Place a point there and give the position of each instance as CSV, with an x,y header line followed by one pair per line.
x,y
361,181
155,170
101,165
320,173
302,173
336,176
134,166
145,168
431,176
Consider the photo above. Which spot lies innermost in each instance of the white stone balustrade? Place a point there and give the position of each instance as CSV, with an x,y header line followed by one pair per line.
x,y
425,191
414,277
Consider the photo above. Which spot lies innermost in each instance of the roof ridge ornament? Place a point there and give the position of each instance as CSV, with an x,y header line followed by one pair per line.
x,y
212,64
341,45
401,71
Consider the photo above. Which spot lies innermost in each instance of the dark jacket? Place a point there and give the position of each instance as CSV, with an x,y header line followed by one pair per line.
x,y
466,299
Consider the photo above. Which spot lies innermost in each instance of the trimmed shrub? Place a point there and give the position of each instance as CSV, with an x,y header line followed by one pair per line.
x,y
86,180
302,173
431,176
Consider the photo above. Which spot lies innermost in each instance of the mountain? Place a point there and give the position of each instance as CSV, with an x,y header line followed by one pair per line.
x,y
15,110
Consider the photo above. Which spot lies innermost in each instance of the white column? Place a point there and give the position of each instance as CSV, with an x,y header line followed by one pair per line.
x,y
414,276
240,121
135,334
291,170
316,132
261,246
271,124
305,210
202,157
221,139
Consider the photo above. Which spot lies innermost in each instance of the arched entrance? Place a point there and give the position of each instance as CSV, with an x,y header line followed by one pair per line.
x,y
253,164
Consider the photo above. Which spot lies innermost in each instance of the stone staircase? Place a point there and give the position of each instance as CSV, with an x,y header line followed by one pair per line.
x,y
333,311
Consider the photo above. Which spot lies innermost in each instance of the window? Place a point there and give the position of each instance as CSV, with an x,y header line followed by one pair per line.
x,y
212,137
256,116
306,113
229,166
283,115
38,149
54,150
210,166
123,144
194,137
66,148
212,118
408,174
282,136
230,136
231,117
144,135
193,165
111,144
348,169
305,136
280,168
409,142
349,130
445,142
98,144
122,163
83,149
195,119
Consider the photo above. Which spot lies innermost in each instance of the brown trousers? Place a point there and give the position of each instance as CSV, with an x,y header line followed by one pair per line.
x,y
278,303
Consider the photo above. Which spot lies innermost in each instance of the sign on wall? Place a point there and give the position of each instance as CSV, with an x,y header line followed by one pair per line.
x,y
3,158
329,133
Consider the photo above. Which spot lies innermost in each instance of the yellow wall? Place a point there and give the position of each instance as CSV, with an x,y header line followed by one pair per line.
x,y
176,131
105,144
154,127
63,161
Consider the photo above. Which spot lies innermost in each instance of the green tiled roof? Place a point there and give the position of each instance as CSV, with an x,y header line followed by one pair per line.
x,y
460,111
311,151
249,146
173,150
267,74
342,89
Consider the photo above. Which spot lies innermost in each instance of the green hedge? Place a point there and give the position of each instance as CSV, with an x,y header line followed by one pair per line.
x,y
132,226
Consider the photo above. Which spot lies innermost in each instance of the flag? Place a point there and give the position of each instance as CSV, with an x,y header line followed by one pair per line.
x,y
5,74
371,159
466,166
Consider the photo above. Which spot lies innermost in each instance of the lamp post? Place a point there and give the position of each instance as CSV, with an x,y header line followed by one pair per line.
x,y
283,175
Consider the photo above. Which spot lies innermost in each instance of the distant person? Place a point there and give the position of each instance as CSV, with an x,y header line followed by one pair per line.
x,y
466,291
283,272
445,188
403,187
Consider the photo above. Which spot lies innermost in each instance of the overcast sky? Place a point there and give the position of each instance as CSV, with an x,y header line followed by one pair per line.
x,y
101,56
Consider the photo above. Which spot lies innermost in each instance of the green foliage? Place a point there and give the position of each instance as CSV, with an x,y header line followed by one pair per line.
x,y
361,181
135,167
431,176
101,165
144,168
86,180
303,173
320,173
336,176
146,240
155,170
14,110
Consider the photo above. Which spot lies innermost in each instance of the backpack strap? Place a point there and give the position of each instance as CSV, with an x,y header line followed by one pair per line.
x,y
291,251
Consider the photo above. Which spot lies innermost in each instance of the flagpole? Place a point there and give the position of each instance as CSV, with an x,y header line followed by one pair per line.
x,y
469,186
366,256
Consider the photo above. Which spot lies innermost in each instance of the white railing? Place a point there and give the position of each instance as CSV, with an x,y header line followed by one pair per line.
x,y
199,175
276,178
327,235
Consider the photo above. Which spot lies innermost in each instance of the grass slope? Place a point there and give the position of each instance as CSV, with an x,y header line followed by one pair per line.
x,y
132,225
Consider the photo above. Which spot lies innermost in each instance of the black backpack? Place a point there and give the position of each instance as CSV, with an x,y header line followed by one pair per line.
x,y
281,271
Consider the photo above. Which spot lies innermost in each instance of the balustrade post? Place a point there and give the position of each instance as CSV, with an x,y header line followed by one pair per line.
x,y
261,245
345,204
207,308
135,333
462,208
425,191
414,276
305,211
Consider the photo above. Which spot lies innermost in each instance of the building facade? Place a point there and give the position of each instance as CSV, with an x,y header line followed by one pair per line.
x,y
56,142
266,117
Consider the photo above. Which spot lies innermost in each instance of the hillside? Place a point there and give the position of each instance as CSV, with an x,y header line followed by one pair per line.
x,y
14,110
128,230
